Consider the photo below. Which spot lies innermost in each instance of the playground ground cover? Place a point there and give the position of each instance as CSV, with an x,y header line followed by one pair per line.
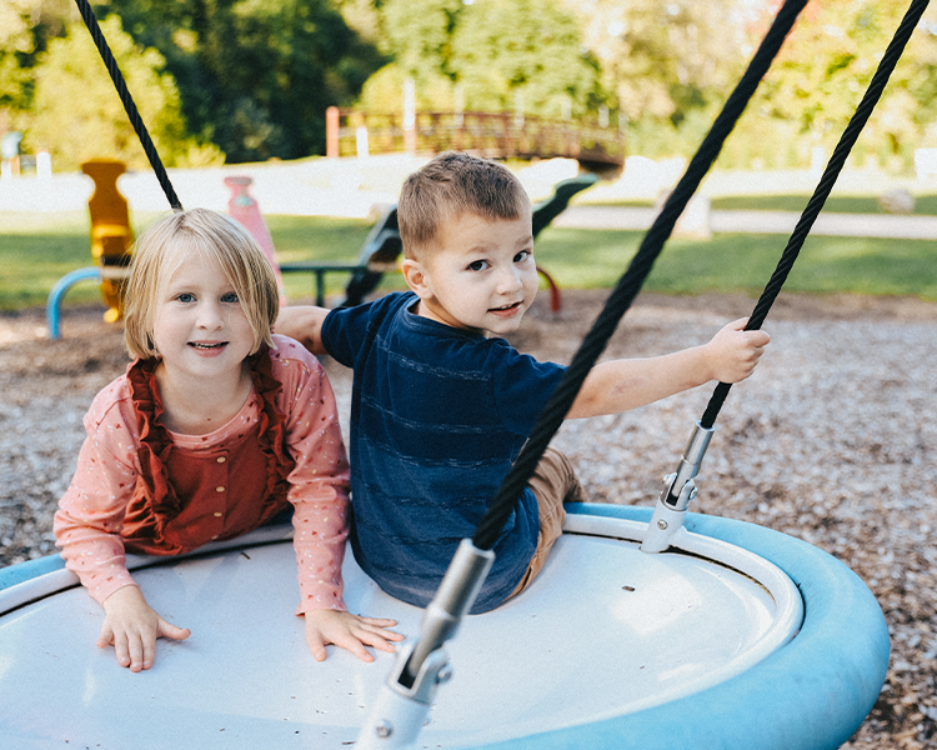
x,y
36,249
831,441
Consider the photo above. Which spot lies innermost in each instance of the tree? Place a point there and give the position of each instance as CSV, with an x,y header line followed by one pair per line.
x,y
667,65
255,76
501,54
16,45
526,54
78,114
827,64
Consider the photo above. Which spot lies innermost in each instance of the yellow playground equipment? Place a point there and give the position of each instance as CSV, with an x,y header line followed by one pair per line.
x,y
111,243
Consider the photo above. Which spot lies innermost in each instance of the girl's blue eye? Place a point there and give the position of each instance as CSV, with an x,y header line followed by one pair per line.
x,y
186,297
229,297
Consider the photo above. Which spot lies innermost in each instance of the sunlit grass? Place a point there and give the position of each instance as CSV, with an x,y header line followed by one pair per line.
x,y
744,262
36,250
858,204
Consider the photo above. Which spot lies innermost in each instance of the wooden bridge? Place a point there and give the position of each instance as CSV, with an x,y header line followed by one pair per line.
x,y
498,136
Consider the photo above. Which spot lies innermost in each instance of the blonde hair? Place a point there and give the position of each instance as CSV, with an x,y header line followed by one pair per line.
x,y
450,185
162,249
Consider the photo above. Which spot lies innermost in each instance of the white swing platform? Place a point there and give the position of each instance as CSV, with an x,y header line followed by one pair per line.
x,y
744,638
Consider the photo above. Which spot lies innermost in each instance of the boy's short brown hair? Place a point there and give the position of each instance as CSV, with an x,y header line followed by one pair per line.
x,y
161,250
450,185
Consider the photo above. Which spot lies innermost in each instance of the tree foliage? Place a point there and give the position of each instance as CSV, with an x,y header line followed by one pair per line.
x,y
521,54
827,64
255,76
77,114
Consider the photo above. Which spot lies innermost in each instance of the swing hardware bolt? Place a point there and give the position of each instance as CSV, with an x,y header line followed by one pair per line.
x,y
444,674
682,489
662,524
384,729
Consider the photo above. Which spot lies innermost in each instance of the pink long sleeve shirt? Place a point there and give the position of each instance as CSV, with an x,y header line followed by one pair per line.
x,y
219,480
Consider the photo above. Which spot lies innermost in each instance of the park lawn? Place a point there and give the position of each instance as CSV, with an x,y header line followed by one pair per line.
x,y
37,250
924,205
743,262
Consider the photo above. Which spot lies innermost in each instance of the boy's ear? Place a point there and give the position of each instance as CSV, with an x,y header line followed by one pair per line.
x,y
416,277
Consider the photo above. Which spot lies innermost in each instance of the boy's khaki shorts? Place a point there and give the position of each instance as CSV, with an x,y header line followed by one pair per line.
x,y
553,483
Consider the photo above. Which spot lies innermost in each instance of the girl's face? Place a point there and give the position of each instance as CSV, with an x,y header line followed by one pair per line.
x,y
199,327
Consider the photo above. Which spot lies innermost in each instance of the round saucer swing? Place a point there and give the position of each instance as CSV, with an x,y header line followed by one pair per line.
x,y
648,627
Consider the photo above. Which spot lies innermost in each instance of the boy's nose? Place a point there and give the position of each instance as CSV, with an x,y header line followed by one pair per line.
x,y
509,280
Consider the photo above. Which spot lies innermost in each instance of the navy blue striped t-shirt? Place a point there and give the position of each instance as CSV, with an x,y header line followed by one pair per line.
x,y
438,415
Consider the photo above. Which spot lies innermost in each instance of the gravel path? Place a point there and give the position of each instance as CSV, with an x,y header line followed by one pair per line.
x,y
833,441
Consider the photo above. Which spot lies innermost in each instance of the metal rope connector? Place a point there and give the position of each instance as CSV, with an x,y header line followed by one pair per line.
x,y
679,490
405,699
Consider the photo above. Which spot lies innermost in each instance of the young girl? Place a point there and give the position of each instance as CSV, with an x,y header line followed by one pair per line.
x,y
216,427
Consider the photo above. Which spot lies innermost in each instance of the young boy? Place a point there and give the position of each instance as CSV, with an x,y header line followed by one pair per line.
x,y
441,406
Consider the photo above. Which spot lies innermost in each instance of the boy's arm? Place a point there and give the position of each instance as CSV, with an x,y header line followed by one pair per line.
x,y
303,323
620,385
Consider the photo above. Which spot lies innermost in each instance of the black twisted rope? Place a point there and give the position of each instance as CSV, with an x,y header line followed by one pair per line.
x,y
825,186
120,84
630,283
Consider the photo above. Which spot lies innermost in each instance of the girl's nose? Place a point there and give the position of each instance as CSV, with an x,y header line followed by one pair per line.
x,y
209,316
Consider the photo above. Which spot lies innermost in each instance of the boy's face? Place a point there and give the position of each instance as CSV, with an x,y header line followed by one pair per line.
x,y
480,274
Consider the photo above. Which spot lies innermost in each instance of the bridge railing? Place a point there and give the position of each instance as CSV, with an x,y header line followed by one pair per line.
x,y
502,135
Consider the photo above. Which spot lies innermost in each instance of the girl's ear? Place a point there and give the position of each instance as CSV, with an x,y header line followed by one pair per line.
x,y
416,277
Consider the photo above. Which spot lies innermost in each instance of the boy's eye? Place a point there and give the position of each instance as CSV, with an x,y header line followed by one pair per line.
x,y
478,265
229,297
522,256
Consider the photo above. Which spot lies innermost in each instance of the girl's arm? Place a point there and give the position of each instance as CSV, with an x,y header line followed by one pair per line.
x,y
90,516
620,385
87,528
319,494
303,323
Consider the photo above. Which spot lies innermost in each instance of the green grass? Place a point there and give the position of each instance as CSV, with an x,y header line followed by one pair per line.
x,y
36,250
846,204
744,262
924,205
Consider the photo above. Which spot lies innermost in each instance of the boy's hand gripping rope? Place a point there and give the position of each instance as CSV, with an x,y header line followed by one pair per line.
x,y
117,77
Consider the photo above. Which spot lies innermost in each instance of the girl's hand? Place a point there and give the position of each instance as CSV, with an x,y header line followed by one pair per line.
x,y
348,631
132,627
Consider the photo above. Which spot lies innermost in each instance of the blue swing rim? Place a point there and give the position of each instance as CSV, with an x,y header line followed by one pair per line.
x,y
812,694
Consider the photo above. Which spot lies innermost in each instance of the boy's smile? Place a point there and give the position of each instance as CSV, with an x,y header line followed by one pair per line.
x,y
478,275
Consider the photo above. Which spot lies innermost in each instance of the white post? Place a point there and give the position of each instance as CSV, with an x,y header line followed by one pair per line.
x,y
409,115
43,165
459,104
361,141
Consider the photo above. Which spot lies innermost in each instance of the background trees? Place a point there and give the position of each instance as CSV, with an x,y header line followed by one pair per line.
x,y
254,76
485,55
77,115
251,79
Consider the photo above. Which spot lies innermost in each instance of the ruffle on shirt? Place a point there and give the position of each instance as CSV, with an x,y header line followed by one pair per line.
x,y
151,518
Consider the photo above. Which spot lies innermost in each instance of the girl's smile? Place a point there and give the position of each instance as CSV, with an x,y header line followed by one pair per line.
x,y
200,329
